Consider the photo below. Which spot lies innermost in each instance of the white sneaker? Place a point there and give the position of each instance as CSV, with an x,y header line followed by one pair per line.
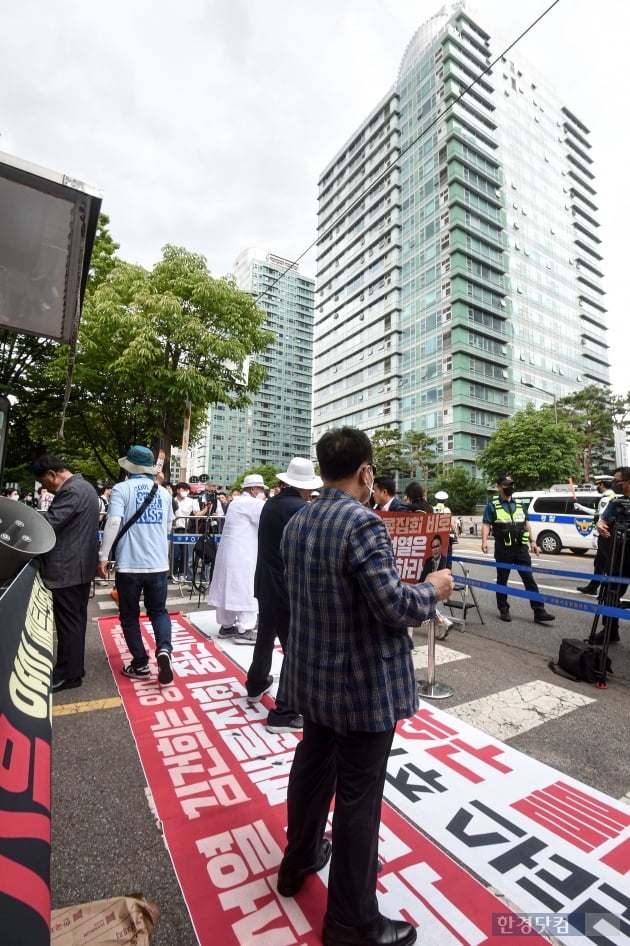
x,y
442,627
245,637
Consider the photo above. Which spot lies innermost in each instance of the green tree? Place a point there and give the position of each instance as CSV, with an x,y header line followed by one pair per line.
x,y
465,492
149,342
590,413
35,372
533,448
421,455
388,448
266,470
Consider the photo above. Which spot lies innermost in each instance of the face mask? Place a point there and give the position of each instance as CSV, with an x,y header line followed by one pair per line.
x,y
618,487
508,490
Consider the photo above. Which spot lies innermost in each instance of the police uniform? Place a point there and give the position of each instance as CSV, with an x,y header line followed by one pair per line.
x,y
511,547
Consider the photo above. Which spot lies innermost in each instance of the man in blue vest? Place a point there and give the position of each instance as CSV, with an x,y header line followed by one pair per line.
x,y
512,542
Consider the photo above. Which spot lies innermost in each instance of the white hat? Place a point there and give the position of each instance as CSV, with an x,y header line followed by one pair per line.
x,y
441,496
253,479
300,473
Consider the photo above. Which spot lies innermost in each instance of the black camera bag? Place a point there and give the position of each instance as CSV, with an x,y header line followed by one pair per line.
x,y
580,660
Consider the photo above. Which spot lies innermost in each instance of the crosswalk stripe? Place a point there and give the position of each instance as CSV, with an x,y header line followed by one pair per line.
x,y
509,713
443,655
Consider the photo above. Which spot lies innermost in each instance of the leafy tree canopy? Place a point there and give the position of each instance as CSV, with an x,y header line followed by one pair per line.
x,y
268,472
533,448
387,450
465,492
151,341
591,413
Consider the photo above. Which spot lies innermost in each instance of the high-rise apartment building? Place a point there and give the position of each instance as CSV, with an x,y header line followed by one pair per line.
x,y
459,270
277,425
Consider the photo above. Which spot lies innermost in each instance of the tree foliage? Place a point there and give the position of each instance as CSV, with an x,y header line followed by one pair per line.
x,y
533,448
413,455
387,450
151,341
590,413
465,492
420,455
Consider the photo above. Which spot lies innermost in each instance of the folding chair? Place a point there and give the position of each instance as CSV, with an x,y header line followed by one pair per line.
x,y
466,599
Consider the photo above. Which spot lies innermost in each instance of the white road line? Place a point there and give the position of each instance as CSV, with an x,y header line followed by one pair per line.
x,y
443,655
509,713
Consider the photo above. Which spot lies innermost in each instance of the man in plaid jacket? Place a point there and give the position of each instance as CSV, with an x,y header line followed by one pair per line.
x,y
348,670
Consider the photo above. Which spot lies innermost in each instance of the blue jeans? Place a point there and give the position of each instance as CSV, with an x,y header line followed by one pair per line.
x,y
130,586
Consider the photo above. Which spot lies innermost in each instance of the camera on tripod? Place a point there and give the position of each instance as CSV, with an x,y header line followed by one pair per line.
x,y
621,520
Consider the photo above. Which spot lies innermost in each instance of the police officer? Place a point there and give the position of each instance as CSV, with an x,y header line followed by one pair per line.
x,y
512,541
606,493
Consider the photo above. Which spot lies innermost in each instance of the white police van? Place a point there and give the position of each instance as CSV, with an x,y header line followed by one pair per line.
x,y
556,523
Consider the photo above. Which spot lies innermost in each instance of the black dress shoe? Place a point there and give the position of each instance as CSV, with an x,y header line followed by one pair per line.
x,y
505,615
383,932
543,617
68,684
290,881
590,589
613,639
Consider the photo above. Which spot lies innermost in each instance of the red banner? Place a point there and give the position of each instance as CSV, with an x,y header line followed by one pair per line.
x,y
411,535
219,780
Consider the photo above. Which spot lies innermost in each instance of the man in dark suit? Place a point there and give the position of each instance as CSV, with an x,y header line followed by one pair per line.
x,y
271,590
385,495
348,670
69,568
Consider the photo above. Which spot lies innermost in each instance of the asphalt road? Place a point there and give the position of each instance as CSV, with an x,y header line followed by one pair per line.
x,y
107,842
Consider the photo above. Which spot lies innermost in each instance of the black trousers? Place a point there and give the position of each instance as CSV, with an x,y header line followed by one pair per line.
x,y
70,607
273,621
515,555
351,767
602,556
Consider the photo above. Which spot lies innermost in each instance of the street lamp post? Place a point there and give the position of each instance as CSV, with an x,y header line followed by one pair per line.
x,y
528,384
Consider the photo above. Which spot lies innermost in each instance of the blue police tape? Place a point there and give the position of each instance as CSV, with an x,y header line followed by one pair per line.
x,y
183,538
572,604
179,538
558,572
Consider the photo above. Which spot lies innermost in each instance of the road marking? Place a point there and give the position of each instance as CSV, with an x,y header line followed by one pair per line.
x,y
88,706
509,713
443,655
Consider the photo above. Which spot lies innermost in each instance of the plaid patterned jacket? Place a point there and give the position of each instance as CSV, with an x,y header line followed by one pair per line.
x,y
348,660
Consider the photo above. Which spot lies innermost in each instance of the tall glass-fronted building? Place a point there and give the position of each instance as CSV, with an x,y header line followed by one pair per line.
x,y
277,425
459,270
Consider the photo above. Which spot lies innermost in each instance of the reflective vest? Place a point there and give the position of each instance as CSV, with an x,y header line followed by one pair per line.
x,y
509,527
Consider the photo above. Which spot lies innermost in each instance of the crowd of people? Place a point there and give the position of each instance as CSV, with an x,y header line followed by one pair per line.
x,y
308,563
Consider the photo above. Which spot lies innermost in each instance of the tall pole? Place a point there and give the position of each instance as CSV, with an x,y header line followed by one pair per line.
x,y
183,466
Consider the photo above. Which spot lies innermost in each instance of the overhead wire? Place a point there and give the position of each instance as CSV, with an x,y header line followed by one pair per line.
x,y
408,147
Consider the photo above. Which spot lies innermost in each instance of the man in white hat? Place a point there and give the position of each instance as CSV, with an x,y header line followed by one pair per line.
x,y
270,587
441,498
232,586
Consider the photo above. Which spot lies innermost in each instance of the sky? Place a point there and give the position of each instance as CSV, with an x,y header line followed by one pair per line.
x,y
208,123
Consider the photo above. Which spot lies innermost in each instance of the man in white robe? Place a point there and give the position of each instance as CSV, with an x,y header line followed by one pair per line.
x,y
232,587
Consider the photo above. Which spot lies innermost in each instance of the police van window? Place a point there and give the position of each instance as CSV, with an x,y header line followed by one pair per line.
x,y
551,505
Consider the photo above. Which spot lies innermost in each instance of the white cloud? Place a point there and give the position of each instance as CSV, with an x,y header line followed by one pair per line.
x,y
208,124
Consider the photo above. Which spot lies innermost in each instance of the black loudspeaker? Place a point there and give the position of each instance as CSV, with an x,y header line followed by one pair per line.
x,y
24,533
